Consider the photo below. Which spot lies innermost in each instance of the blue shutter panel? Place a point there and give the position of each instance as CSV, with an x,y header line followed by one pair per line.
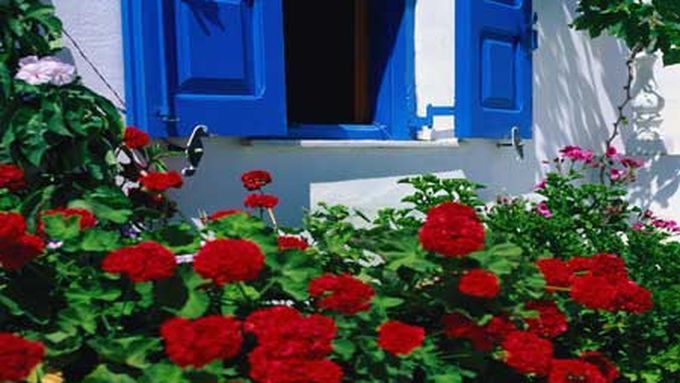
x,y
229,71
493,68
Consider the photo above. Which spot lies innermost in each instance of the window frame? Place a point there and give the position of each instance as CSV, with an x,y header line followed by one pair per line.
x,y
397,94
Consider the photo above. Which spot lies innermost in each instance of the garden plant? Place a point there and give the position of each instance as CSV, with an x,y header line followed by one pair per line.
x,y
100,280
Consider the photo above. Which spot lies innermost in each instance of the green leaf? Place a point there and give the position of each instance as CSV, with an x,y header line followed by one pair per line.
x,y
103,375
100,240
344,347
163,373
61,228
131,351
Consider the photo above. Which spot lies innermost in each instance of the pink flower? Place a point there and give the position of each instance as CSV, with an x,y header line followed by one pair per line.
x,y
632,163
616,174
613,154
543,210
638,226
48,69
541,185
577,154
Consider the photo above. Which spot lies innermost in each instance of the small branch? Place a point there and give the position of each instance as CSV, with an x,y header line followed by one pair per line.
x,y
621,118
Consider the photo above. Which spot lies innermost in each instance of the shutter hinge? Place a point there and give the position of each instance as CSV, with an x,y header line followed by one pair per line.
x,y
167,117
534,32
431,112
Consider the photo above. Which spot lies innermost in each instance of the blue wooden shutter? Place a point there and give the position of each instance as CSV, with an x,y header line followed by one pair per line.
x,y
214,62
493,68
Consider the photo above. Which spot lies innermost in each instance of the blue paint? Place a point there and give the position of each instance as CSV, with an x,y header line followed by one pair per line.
x,y
494,44
221,63
212,62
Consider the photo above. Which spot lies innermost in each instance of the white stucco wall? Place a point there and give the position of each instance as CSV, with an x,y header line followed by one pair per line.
x,y
577,82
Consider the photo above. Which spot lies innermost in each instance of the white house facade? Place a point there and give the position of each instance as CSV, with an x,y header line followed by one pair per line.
x,y
577,84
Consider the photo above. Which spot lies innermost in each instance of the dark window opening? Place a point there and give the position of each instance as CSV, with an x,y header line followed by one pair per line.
x,y
336,57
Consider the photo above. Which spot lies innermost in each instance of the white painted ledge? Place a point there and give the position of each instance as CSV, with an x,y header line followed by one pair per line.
x,y
372,144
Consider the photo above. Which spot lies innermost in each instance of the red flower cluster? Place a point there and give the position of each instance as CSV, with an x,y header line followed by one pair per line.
x,y
17,247
574,370
229,260
452,229
147,261
483,338
86,219
342,293
216,216
11,177
256,179
197,343
479,283
608,370
292,348
550,323
400,338
18,357
262,201
135,138
528,353
600,282
291,242
159,182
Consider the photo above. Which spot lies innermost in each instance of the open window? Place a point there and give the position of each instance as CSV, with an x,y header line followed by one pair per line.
x,y
271,68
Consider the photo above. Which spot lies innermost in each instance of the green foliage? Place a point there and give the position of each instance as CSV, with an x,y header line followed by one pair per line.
x,y
643,25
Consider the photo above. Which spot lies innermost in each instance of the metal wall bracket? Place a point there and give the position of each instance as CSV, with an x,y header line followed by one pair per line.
x,y
194,150
431,112
515,143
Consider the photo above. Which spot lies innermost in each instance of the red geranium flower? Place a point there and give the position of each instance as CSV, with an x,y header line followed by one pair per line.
x,y
229,260
256,179
556,272
341,293
550,322
135,138
633,298
459,326
527,353
12,226
452,229
498,328
594,292
480,284
18,357
291,242
199,342
86,219
11,177
147,261
574,370
15,255
291,347
262,201
216,216
607,368
159,182
400,338
610,266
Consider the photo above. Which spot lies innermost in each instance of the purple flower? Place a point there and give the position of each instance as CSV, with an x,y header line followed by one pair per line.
x,y
45,70
543,210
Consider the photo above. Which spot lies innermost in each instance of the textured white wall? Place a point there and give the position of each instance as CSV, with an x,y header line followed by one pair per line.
x,y
577,84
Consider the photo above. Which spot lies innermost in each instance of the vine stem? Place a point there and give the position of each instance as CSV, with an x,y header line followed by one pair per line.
x,y
621,118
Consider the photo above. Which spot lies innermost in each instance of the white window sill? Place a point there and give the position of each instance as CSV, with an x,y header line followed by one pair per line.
x,y
373,144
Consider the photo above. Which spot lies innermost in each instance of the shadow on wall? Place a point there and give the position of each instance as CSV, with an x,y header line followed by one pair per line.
x,y
578,84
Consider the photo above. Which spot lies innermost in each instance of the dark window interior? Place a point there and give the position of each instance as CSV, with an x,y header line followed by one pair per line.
x,y
332,60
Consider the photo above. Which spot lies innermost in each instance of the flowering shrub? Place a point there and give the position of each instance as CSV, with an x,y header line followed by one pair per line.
x,y
97,284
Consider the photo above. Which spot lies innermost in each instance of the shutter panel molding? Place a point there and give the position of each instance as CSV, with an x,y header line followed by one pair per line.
x,y
220,63
494,75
